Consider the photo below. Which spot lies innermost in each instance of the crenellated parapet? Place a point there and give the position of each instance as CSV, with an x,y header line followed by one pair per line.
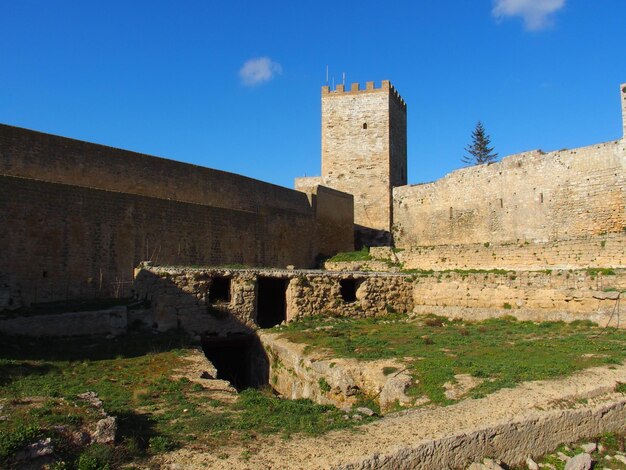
x,y
370,87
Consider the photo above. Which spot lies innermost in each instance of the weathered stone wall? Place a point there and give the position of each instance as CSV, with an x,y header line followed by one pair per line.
x,y
334,216
529,196
376,294
31,154
538,296
180,297
364,148
80,216
297,373
601,251
66,242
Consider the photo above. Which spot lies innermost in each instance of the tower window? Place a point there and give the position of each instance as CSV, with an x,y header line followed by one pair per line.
x,y
364,125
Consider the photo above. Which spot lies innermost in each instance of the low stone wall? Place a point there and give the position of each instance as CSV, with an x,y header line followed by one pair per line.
x,y
113,321
601,251
537,296
376,294
296,373
183,297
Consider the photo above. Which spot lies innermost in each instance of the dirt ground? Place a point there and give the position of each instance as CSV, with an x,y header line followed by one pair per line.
x,y
401,432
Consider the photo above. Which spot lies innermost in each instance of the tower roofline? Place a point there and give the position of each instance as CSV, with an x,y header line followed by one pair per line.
x,y
370,87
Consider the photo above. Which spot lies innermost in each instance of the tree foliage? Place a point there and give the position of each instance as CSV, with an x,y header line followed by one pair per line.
x,y
479,152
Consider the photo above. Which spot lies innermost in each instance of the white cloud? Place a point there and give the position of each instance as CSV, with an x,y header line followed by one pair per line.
x,y
259,70
535,13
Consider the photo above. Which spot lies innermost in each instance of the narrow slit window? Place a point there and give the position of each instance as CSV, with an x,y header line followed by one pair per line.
x,y
364,125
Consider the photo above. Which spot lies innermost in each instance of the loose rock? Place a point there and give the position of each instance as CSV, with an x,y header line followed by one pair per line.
x,y
579,462
365,411
105,430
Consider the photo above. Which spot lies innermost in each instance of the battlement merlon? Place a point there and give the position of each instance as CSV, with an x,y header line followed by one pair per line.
x,y
622,88
369,88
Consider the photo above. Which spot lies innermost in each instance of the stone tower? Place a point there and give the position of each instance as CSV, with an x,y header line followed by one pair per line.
x,y
364,153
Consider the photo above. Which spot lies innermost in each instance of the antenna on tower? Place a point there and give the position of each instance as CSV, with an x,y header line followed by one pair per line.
x,y
344,79
326,74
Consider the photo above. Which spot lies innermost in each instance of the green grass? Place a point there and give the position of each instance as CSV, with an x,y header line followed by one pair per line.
x,y
362,255
603,271
503,351
462,272
40,380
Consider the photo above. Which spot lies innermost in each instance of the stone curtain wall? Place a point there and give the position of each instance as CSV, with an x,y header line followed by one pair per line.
x,y
526,197
40,156
364,148
103,210
601,251
66,242
536,296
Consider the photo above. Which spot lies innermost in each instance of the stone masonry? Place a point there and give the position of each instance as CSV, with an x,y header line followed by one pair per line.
x,y
180,297
364,150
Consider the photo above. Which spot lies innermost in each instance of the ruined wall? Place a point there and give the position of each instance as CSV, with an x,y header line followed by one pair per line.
x,y
530,196
536,296
376,294
180,297
65,242
364,148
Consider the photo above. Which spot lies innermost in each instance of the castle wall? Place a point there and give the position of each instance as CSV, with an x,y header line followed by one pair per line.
x,y
364,148
334,216
603,251
31,154
536,296
529,196
66,242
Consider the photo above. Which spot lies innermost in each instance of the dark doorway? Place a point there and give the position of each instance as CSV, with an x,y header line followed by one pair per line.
x,y
238,358
271,301
347,288
219,290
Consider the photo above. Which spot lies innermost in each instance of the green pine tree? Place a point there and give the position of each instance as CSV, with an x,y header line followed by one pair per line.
x,y
479,150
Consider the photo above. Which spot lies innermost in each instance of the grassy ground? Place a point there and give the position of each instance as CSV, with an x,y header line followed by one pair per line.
x,y
503,352
362,255
40,381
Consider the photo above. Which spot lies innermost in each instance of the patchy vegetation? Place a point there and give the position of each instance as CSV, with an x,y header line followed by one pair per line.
x,y
503,352
362,255
40,380
603,451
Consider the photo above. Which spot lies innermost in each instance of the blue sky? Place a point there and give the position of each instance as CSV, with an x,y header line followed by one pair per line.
x,y
236,85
